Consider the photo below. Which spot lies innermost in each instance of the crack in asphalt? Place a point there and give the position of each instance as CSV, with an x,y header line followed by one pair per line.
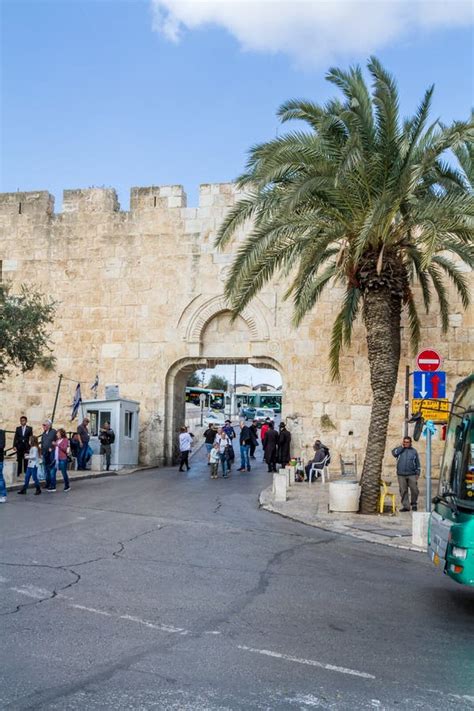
x,y
69,569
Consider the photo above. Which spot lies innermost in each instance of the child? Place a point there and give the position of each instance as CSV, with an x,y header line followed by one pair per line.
x,y
214,458
32,469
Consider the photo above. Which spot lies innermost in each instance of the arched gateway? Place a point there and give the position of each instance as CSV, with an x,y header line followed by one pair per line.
x,y
140,304
213,338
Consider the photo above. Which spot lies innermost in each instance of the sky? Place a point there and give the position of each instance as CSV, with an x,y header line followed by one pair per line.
x,y
123,93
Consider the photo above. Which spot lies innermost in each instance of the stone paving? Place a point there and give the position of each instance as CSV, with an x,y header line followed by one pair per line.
x,y
309,504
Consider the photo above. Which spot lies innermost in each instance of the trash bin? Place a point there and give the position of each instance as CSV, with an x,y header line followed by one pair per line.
x,y
344,495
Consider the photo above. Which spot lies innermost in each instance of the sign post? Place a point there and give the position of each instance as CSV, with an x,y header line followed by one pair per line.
x,y
202,399
428,470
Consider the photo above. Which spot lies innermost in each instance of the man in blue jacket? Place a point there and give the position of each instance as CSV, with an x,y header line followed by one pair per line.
x,y
408,471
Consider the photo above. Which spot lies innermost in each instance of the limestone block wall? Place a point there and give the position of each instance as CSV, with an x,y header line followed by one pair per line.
x,y
140,302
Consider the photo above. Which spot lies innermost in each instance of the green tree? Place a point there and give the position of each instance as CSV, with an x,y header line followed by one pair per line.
x,y
217,382
24,330
365,200
193,380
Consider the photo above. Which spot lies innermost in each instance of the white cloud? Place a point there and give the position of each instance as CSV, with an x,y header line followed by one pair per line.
x,y
310,31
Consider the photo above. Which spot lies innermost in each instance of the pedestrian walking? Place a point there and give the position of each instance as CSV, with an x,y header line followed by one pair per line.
x,y
254,438
185,444
230,432
61,445
47,451
284,445
214,459
408,471
271,447
209,439
224,444
106,439
3,488
245,440
32,458
21,444
264,431
84,436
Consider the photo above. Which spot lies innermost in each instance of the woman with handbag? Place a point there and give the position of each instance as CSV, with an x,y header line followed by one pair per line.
x,y
61,445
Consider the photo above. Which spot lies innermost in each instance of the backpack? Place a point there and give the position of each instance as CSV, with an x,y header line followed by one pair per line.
x,y
327,454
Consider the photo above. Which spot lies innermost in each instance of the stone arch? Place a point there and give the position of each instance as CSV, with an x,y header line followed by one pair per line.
x,y
200,312
175,388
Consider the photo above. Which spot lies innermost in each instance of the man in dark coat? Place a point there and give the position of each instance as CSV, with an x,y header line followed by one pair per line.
x,y
21,443
270,447
47,451
284,443
254,438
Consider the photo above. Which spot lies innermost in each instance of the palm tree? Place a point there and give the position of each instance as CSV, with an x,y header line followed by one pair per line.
x,y
365,200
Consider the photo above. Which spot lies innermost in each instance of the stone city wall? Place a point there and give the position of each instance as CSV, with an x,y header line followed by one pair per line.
x,y
140,303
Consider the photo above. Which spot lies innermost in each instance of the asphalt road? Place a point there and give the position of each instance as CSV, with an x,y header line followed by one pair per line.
x,y
161,590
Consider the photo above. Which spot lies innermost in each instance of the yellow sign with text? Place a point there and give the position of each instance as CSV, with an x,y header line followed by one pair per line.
x,y
431,409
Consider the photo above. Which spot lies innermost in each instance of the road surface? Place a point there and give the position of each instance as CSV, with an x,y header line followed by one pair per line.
x,y
162,590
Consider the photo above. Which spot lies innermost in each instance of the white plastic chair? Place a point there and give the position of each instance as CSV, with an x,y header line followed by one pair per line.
x,y
323,470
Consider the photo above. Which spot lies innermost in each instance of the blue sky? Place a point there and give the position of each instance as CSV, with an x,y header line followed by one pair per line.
x,y
124,93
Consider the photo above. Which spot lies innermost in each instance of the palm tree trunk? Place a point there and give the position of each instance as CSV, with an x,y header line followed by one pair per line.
x,y
382,313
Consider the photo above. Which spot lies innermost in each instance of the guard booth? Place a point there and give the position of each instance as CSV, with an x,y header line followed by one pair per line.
x,y
123,417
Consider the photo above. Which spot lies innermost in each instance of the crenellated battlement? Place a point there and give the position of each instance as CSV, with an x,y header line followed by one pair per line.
x,y
27,203
105,200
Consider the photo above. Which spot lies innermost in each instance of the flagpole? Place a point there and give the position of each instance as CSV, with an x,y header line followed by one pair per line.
x,y
56,398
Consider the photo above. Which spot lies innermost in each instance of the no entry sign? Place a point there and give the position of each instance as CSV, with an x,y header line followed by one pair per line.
x,y
428,360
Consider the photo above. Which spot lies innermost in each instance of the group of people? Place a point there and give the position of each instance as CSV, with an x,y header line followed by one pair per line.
x,y
53,450
219,442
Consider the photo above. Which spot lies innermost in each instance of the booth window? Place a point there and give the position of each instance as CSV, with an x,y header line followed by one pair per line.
x,y
93,416
104,416
128,424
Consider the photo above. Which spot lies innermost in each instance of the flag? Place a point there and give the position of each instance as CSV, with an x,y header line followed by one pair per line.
x,y
76,402
95,385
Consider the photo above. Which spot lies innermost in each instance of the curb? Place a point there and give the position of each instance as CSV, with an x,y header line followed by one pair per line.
x,y
342,530
97,475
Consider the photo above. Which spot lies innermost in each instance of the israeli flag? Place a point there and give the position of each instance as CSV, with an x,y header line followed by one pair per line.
x,y
76,403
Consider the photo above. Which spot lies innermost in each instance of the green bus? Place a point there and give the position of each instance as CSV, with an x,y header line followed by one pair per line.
x,y
258,399
451,526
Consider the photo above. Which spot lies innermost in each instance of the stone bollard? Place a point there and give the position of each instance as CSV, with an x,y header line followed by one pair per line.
x,y
292,471
419,528
279,486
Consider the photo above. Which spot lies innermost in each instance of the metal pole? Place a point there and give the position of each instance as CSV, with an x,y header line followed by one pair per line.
x,y
407,400
428,470
56,398
202,410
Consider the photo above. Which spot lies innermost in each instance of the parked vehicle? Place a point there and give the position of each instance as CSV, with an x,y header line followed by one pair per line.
x,y
248,412
215,418
262,413
451,527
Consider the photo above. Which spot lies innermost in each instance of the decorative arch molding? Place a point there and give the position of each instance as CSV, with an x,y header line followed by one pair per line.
x,y
200,312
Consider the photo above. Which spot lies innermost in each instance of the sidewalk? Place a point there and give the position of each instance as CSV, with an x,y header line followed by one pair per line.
x,y
309,504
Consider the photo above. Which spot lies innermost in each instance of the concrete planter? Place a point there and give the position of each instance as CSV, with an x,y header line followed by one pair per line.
x,y
344,496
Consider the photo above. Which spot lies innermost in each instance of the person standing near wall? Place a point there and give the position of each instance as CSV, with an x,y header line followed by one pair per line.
x,y
21,444
185,444
408,471
284,444
3,488
106,439
47,451
84,436
270,447
61,446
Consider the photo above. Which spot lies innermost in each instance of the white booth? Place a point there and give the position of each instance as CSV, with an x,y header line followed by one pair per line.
x,y
123,417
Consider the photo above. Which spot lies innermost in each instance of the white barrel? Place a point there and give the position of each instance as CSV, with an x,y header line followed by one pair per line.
x,y
344,495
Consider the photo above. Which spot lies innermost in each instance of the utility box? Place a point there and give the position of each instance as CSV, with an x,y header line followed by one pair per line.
x,y
123,417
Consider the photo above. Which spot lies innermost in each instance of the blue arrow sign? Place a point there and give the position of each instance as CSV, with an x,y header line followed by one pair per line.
x,y
432,385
